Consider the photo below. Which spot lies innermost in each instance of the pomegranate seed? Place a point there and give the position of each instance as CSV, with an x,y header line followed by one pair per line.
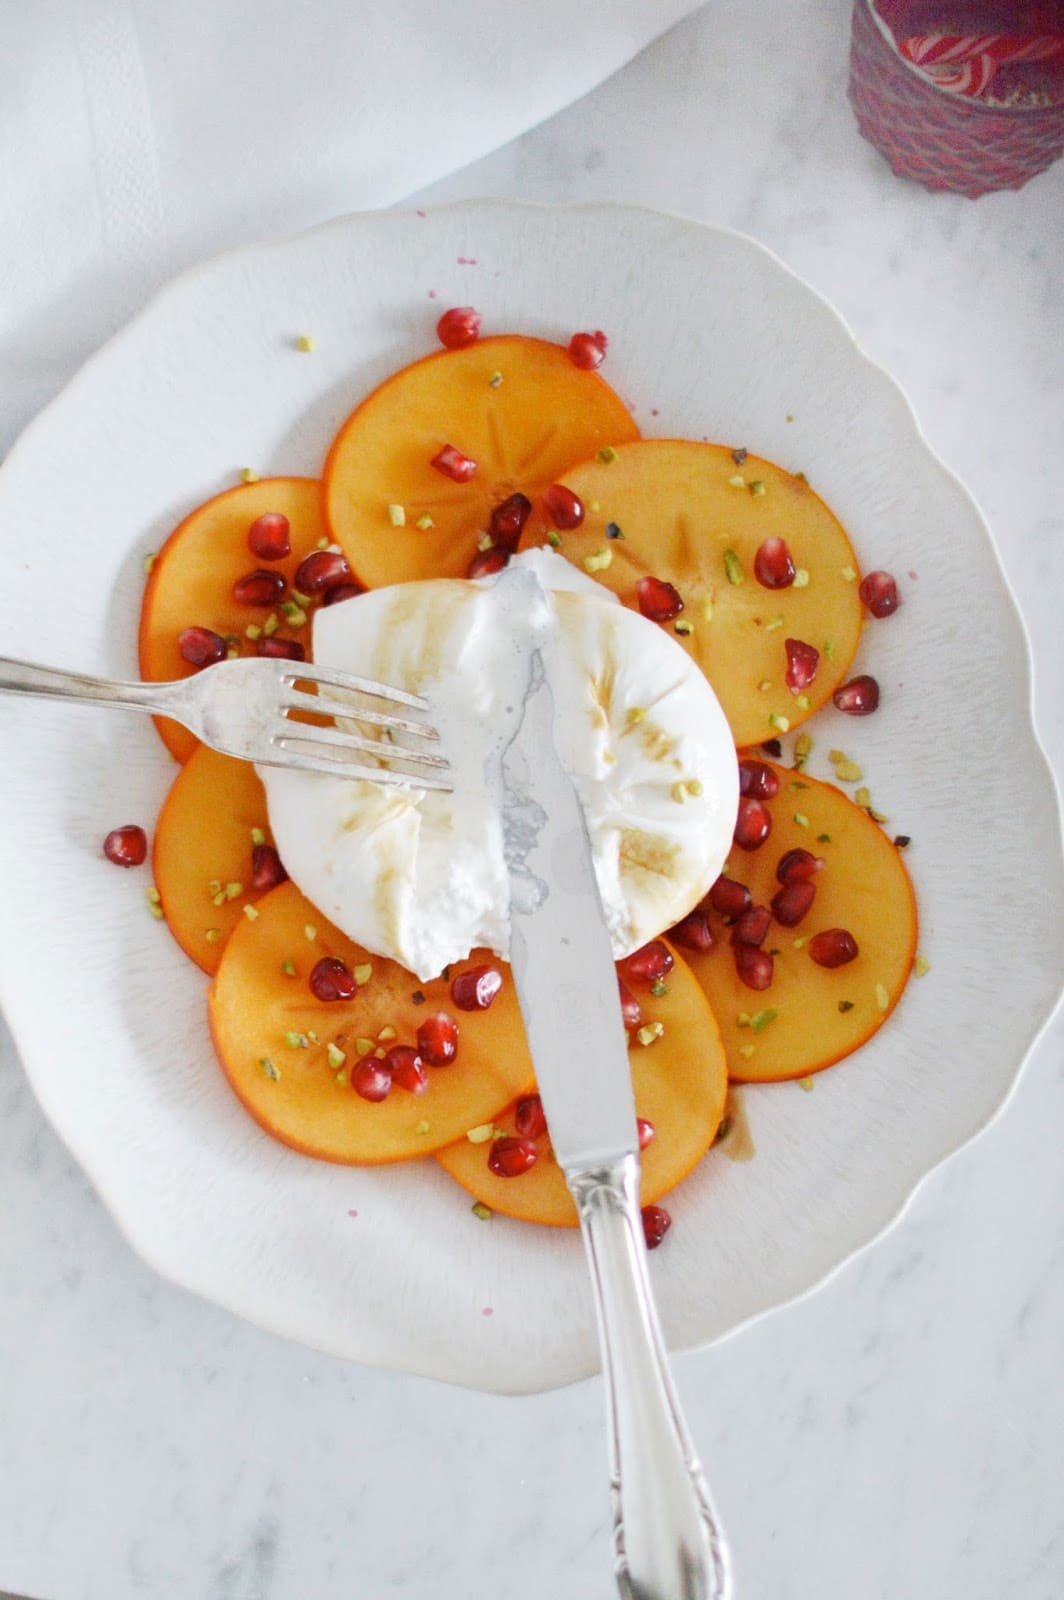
x,y
476,989
437,1039
859,697
322,569
528,1117
453,464
656,1224
833,948
259,588
507,522
880,594
488,561
406,1068
753,824
802,663
270,536
645,1129
267,868
200,647
752,926
758,779
753,966
790,904
127,846
631,1010
729,897
649,963
281,649
509,1158
588,350
797,864
773,566
565,509
371,1079
332,979
341,591
658,600
694,932
458,327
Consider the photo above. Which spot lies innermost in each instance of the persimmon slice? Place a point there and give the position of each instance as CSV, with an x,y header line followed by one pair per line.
x,y
679,1081
812,1016
684,513
301,1092
191,581
518,407
201,857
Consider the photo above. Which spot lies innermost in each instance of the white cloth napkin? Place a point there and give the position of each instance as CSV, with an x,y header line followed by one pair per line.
x,y
137,136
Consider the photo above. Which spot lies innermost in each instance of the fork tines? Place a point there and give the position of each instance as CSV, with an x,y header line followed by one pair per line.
x,y
314,747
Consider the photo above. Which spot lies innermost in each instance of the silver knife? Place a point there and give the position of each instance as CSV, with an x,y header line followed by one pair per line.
x,y
667,1539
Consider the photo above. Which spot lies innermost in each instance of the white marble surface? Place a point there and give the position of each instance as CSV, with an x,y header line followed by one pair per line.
x,y
898,1434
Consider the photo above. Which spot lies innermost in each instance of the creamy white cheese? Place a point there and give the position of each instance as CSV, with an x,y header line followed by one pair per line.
x,y
420,876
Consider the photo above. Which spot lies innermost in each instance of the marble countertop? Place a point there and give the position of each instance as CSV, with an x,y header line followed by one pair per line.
x,y
899,1433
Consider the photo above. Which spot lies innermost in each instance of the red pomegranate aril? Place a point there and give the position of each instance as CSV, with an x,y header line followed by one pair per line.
x,y
259,588
565,509
476,989
645,1130
406,1068
371,1079
752,926
485,562
790,904
458,327
507,522
649,963
729,897
859,697
658,600
437,1040
802,663
758,779
880,594
834,947
631,1010
127,846
773,565
656,1224
528,1117
281,649
694,932
267,868
509,1158
453,464
341,591
754,966
753,824
270,536
797,864
332,979
588,350
200,647
322,569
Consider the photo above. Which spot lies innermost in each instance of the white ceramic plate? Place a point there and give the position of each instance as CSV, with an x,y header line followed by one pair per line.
x,y
711,337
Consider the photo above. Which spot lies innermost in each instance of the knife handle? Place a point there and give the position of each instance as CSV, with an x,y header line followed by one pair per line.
x,y
667,1541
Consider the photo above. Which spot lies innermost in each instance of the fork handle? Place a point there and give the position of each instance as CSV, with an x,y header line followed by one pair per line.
x,y
51,683
667,1541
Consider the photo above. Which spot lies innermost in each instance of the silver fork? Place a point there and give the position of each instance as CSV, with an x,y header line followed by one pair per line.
x,y
243,708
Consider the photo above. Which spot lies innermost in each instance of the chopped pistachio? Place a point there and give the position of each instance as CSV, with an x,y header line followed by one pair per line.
x,y
882,997
659,987
219,899
249,475
801,941
380,1053
829,649
258,836
322,543
649,1032
684,627
295,614
756,487
737,482
802,746
801,578
848,574
921,967
288,968
598,560
386,1034
424,521
363,973
397,516
845,1005
269,1070
341,1076
765,685
635,714
215,886
233,891
802,702
481,1134
212,935
485,542
742,1020
761,1019
777,622
733,567
823,838
806,1084
607,455
848,771
747,1050
148,562
305,343
152,895
301,599
310,931
801,819
877,816
594,505
296,1041
363,1046
233,652
495,380
679,793
479,1209
781,724
707,610
335,1056
693,786
862,797
554,540
156,911
423,1126
271,625
253,631
251,912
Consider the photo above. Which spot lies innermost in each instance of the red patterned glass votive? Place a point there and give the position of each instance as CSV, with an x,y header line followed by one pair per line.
x,y
1001,128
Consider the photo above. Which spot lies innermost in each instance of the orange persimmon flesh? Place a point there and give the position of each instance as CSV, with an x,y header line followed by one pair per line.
x,y
516,406
812,1016
257,1008
669,508
202,851
679,1081
191,581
